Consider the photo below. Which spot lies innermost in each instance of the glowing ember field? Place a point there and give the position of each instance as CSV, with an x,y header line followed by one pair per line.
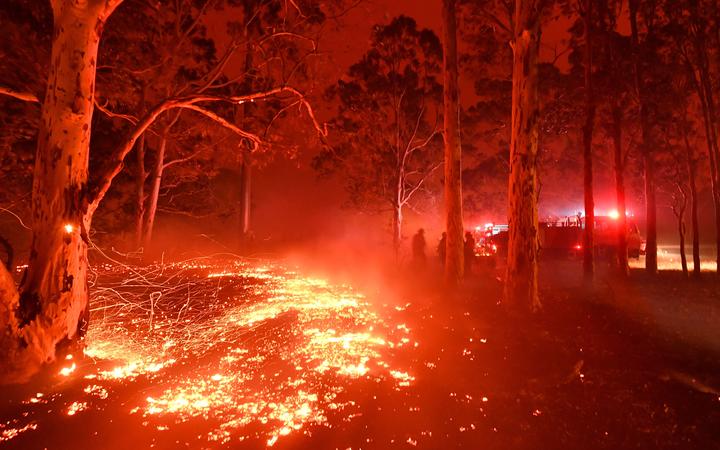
x,y
247,354
212,353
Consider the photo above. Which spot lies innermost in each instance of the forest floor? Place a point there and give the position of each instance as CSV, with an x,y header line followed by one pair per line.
x,y
249,354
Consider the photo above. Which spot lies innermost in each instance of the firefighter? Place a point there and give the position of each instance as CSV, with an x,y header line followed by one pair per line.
x,y
442,248
418,248
469,252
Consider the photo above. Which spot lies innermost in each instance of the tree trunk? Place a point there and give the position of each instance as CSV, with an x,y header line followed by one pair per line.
x,y
242,112
715,158
397,228
157,175
140,191
17,363
245,197
454,254
714,150
619,166
681,232
711,141
588,241
52,309
694,221
648,159
651,212
521,283
141,176
695,224
9,254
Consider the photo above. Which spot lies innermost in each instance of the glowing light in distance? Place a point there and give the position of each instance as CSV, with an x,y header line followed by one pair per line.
x,y
69,228
614,214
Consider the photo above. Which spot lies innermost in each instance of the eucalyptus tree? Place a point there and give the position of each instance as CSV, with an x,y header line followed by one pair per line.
x,y
386,132
49,311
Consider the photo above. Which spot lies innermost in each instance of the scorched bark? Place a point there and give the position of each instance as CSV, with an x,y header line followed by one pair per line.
x,y
453,167
521,284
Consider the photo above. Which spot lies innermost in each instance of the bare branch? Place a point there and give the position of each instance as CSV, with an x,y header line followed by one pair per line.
x,y
24,96
185,213
419,184
182,160
416,128
346,10
560,54
215,73
297,8
424,142
207,113
496,20
117,159
277,115
132,119
289,34
22,224
195,23
134,72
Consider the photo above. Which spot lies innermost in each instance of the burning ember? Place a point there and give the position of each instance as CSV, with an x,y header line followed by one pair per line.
x,y
234,344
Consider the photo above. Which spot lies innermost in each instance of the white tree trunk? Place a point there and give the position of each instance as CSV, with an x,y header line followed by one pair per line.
x,y
157,175
397,228
52,309
140,192
245,197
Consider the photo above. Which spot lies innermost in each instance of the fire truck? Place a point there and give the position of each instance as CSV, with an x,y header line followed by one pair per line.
x,y
562,237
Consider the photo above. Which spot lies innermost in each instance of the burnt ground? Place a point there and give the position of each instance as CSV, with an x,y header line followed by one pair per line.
x,y
621,365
